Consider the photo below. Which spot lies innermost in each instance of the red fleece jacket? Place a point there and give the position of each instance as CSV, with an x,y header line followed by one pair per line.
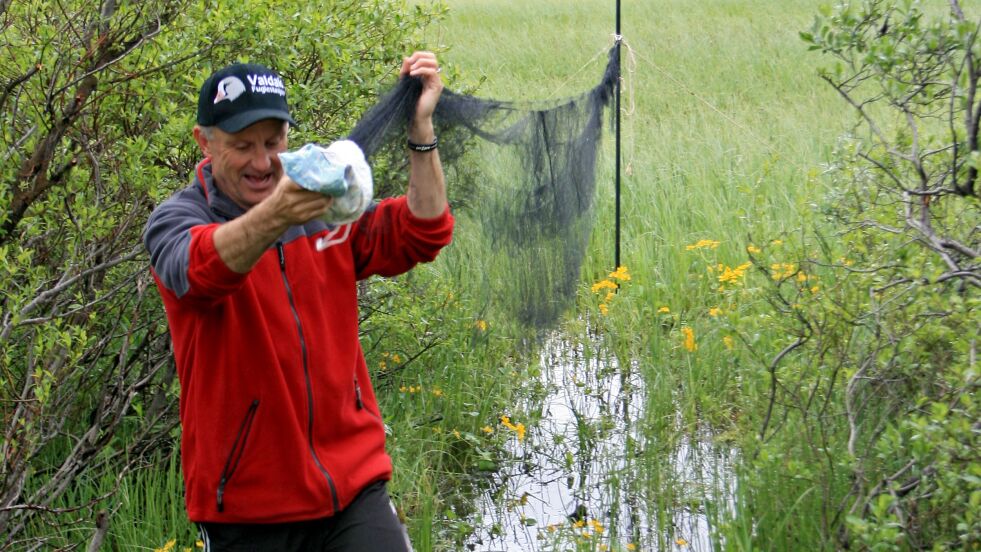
x,y
280,422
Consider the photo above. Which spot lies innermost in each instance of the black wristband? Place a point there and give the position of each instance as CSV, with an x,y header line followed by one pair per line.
x,y
422,147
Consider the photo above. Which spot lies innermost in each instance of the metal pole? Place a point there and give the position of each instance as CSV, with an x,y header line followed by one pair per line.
x,y
617,177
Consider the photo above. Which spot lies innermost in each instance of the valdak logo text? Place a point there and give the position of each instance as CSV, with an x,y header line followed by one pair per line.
x,y
266,84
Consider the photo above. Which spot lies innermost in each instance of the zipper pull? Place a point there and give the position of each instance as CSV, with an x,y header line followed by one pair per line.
x,y
357,395
221,494
282,256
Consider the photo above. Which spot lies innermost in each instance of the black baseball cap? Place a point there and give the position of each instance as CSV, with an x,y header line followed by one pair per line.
x,y
242,94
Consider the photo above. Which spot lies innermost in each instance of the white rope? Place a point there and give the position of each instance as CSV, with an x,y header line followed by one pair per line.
x,y
581,69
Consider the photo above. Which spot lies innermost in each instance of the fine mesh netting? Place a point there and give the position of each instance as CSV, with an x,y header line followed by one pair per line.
x,y
536,172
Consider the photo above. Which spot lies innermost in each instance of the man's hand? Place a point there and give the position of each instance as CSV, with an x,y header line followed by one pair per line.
x,y
427,190
424,66
241,242
291,205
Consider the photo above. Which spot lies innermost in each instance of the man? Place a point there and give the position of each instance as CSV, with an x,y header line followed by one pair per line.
x,y
283,446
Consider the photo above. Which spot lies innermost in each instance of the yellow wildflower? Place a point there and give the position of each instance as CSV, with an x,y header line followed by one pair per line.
x,y
457,434
620,274
815,289
396,358
403,389
603,284
487,429
702,244
690,344
732,275
438,392
715,311
610,296
631,546
783,270
481,325
752,249
801,277
604,310
199,544
777,242
580,523
681,542
382,365
167,547
663,310
597,526
520,430
727,341
517,428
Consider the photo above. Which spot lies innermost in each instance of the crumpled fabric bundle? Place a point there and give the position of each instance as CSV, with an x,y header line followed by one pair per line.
x,y
340,171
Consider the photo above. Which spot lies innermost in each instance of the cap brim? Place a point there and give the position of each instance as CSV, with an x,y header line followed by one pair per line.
x,y
247,118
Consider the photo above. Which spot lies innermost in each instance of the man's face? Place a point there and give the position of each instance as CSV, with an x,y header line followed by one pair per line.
x,y
245,164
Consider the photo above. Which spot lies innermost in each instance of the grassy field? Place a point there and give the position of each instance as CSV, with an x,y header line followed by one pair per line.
x,y
726,126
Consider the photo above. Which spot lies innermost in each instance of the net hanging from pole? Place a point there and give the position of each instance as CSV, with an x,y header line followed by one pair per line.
x,y
535,167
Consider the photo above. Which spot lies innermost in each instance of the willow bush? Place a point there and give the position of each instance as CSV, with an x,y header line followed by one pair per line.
x,y
97,100
870,418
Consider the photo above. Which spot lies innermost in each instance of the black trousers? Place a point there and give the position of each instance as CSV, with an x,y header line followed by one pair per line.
x,y
368,524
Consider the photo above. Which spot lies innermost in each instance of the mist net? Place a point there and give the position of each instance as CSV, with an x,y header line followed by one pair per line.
x,y
535,166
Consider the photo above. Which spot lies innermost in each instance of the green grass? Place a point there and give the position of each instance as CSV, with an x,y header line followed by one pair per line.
x,y
726,126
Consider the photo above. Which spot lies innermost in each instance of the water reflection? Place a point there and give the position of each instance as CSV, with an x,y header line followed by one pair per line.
x,y
590,476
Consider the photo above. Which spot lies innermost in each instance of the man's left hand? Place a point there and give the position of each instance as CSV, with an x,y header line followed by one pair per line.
x,y
424,66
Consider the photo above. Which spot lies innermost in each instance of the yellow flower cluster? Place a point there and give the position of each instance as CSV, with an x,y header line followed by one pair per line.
x,y
664,310
690,344
610,284
752,248
411,389
169,546
481,325
386,356
620,274
703,244
517,428
603,284
783,270
732,275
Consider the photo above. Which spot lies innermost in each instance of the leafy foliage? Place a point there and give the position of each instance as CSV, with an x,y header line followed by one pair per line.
x,y
96,105
871,404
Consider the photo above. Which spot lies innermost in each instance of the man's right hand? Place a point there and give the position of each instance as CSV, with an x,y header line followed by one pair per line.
x,y
291,205
241,242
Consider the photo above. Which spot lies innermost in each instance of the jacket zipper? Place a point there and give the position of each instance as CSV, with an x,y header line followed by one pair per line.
x,y
360,403
238,449
306,375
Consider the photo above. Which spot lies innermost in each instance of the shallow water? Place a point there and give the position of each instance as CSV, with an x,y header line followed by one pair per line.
x,y
585,462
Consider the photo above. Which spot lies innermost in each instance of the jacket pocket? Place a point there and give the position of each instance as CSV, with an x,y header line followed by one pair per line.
x,y
235,455
359,402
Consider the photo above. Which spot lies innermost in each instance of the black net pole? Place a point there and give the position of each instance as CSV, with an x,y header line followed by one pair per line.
x,y
617,176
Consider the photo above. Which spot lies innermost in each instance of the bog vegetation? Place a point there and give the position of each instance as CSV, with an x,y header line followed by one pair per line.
x,y
804,262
